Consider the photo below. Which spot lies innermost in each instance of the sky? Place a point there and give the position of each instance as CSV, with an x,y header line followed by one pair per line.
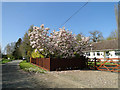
x,y
17,18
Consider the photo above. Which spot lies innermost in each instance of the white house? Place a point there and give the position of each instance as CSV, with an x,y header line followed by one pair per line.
x,y
104,49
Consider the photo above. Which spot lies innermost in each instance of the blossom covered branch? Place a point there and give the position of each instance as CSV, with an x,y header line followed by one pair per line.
x,y
60,43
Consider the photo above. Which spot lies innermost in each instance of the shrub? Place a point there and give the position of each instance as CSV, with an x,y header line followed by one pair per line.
x,y
3,61
36,54
30,67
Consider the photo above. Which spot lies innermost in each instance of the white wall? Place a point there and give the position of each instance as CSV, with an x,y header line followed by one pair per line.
x,y
112,55
93,56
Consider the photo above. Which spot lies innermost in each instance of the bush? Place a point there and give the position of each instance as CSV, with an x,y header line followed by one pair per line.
x,y
36,54
30,67
3,61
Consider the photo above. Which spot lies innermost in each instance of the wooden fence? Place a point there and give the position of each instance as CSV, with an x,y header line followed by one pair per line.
x,y
107,65
52,64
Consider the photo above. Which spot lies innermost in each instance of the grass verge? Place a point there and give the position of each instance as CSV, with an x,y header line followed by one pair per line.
x,y
3,61
30,67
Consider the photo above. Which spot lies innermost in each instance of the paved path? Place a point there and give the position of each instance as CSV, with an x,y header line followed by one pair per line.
x,y
14,77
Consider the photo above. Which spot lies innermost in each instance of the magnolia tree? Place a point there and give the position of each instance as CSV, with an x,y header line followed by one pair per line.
x,y
60,43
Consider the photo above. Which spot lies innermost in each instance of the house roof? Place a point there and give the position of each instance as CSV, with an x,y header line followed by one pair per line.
x,y
104,45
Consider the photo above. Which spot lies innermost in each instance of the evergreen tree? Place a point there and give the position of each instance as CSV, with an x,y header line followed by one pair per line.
x,y
17,53
25,47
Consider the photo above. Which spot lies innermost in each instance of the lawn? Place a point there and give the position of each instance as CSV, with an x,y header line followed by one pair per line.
x,y
98,63
30,67
3,61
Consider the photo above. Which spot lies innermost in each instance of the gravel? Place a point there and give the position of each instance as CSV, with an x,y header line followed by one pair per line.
x,y
81,79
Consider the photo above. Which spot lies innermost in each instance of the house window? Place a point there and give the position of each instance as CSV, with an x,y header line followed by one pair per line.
x,y
117,53
98,53
88,53
107,53
93,53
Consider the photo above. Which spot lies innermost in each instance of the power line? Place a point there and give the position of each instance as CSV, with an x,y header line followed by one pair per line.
x,y
73,14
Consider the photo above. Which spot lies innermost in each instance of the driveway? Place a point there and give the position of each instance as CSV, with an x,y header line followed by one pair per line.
x,y
79,79
14,77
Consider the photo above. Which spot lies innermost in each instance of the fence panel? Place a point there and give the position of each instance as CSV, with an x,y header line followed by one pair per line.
x,y
52,64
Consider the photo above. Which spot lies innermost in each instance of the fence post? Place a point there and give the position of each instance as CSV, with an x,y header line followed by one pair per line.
x,y
87,62
95,63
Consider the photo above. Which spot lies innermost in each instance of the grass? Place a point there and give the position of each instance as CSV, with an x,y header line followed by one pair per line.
x,y
3,61
30,67
98,63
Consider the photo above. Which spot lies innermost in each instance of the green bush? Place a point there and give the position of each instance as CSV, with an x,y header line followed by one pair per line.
x,y
30,67
3,61
36,54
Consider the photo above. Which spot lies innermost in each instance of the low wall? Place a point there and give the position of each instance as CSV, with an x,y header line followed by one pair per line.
x,y
52,64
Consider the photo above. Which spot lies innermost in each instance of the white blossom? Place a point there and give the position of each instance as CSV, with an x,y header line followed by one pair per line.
x,y
41,49
60,42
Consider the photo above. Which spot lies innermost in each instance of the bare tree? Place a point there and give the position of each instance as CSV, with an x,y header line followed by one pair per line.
x,y
113,35
96,36
9,48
